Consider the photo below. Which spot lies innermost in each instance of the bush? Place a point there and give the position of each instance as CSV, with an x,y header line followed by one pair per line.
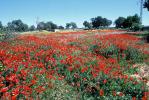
x,y
6,35
134,55
136,27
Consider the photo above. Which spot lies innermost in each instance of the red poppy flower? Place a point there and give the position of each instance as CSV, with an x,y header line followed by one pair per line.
x,y
134,98
5,89
105,81
101,92
84,69
114,93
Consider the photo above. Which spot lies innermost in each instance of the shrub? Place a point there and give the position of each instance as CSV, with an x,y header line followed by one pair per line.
x,y
136,27
134,55
7,34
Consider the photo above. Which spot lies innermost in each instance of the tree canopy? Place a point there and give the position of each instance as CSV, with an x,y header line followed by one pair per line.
x,y
61,27
87,24
100,22
49,26
120,22
32,28
17,25
129,22
71,25
1,26
146,4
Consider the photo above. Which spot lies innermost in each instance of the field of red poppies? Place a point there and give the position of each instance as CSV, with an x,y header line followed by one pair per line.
x,y
74,66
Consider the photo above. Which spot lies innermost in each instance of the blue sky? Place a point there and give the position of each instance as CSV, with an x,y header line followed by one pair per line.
x,y
63,11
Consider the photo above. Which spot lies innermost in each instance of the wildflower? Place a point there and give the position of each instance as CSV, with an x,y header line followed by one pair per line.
x,y
84,79
104,81
14,97
121,94
114,93
1,85
5,89
101,92
134,98
70,68
84,69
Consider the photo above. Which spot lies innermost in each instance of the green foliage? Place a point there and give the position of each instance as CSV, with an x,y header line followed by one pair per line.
x,y
1,32
61,27
146,4
71,25
136,27
41,26
120,22
7,34
128,23
134,55
100,22
134,90
17,26
87,25
32,28
145,36
94,48
1,26
110,51
49,26
74,44
59,91
131,22
128,90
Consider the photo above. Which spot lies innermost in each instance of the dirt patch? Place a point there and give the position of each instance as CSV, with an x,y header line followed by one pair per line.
x,y
143,72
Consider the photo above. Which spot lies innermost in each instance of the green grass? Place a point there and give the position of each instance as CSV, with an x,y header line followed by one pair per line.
x,y
144,34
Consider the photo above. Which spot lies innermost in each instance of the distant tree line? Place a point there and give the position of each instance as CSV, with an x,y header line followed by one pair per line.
x,y
131,22
97,22
19,26
71,25
49,26
16,26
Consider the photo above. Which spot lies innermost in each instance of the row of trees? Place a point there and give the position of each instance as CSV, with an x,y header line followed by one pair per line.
x,y
19,26
71,25
131,22
97,22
